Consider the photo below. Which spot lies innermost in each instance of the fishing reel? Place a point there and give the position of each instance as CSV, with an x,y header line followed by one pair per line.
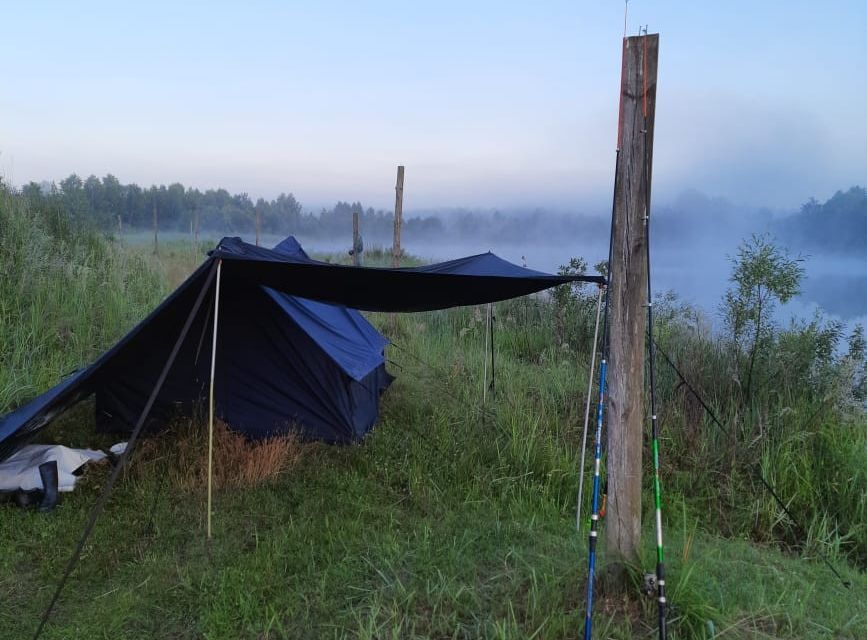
x,y
649,584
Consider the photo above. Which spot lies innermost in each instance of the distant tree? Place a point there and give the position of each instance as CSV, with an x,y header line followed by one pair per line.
x,y
73,199
284,215
33,192
113,200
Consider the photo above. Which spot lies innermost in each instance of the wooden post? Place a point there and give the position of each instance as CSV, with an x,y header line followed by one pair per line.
x,y
355,256
196,226
398,217
258,223
628,297
156,229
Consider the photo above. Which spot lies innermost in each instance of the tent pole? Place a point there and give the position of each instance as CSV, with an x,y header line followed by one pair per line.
x,y
587,411
493,372
211,399
485,356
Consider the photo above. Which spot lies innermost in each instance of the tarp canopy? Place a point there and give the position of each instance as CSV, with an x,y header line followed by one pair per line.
x,y
278,315
466,281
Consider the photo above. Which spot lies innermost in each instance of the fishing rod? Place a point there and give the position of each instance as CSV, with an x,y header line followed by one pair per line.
x,y
651,355
600,407
765,482
597,461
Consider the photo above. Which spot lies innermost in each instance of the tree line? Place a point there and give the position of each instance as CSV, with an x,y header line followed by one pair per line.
x,y
109,205
837,225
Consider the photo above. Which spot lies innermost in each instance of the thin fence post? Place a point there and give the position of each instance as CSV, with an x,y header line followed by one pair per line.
x,y
398,217
355,253
258,224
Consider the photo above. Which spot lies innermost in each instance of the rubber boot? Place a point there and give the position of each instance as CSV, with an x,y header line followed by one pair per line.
x,y
48,473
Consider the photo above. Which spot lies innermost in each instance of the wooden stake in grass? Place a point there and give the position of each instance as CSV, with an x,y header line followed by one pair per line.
x,y
258,222
356,254
398,221
398,217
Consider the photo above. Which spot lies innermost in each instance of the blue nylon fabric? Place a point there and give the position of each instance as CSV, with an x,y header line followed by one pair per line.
x,y
467,281
26,412
483,264
282,363
344,334
289,246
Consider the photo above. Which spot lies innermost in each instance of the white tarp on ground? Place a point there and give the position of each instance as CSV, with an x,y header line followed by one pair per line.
x,y
21,469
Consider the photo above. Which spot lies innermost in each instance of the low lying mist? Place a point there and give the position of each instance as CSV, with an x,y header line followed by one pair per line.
x,y
693,236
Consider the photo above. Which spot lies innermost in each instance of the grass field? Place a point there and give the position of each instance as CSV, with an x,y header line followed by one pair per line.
x,y
448,521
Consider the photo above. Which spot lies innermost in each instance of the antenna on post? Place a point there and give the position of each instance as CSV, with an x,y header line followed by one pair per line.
x,y
625,14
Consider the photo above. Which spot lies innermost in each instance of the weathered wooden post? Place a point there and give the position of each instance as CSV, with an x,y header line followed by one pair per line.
x,y
195,226
355,244
398,217
258,210
628,297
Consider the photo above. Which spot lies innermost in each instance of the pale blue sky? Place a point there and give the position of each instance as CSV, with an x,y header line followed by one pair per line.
x,y
486,103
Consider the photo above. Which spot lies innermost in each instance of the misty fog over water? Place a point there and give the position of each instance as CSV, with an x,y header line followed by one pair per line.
x,y
691,260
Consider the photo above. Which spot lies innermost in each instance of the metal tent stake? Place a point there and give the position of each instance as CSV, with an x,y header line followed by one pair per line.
x,y
211,399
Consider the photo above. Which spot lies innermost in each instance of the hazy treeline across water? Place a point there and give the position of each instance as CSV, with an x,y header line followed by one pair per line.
x,y
838,225
693,235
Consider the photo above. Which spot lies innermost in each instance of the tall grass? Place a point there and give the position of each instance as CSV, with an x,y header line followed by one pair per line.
x,y
65,295
802,430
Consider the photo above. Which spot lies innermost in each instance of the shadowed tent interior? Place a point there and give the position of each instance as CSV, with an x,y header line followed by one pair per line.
x,y
282,361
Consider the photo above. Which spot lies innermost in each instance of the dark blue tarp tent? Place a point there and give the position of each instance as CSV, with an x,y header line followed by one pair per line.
x,y
283,363
289,354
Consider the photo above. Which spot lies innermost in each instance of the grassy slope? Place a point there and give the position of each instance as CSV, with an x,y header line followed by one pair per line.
x,y
442,524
